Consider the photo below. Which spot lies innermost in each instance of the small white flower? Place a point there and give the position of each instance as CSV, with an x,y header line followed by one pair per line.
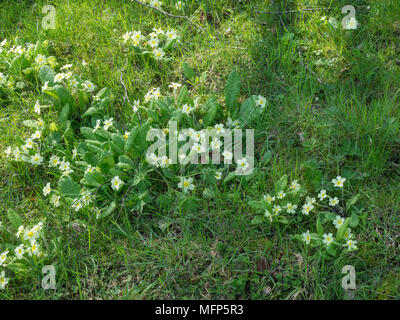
x,y
268,215
179,5
64,166
47,189
3,257
187,108
153,42
116,183
291,208
34,249
58,78
306,237
88,86
37,107
158,53
338,182
294,186
328,238
261,101
29,143
174,86
17,154
186,184
156,3
198,148
307,208
45,86
338,222
164,162
21,230
98,124
352,24
269,199
19,251
218,175
55,200
37,135
108,123
219,128
136,105
3,280
66,67
77,205
216,144
126,36
40,59
347,234
281,194
333,201
227,155
311,200
152,159
276,209
243,164
351,245
36,159
171,34
30,235
322,194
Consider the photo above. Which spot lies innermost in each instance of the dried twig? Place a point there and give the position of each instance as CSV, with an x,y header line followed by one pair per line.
x,y
170,14
126,98
292,11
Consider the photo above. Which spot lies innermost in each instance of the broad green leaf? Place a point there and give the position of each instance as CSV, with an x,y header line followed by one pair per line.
x,y
229,177
107,211
247,111
212,109
136,142
183,93
232,90
88,133
188,71
354,220
14,218
281,183
64,115
69,188
91,112
92,179
256,204
282,219
331,250
352,201
47,74
257,220
106,161
18,268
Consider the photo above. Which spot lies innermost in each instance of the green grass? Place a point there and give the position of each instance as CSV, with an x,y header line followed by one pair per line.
x,y
323,118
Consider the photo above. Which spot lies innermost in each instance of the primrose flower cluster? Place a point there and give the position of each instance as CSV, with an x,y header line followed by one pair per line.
x,y
295,202
158,4
155,43
28,250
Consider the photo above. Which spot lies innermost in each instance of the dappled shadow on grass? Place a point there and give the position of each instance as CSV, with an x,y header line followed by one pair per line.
x,y
331,85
